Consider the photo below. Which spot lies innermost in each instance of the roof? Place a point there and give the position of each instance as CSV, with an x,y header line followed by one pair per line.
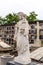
x,y
40,21
10,24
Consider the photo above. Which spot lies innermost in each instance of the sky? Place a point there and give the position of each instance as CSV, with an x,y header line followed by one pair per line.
x,y
26,6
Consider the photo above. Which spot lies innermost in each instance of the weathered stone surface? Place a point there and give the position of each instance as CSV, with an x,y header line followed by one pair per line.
x,y
21,36
5,59
37,54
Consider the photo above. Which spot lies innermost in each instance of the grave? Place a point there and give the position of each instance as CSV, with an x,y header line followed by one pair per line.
x,y
37,55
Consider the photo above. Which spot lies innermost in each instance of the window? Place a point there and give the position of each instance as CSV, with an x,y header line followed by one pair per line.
x,y
33,31
31,41
7,39
0,35
41,31
12,27
8,28
4,35
32,26
12,36
41,36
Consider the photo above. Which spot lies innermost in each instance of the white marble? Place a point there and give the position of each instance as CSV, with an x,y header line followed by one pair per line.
x,y
21,37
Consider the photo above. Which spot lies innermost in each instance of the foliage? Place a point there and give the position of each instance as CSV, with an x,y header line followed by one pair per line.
x,y
2,20
32,17
11,18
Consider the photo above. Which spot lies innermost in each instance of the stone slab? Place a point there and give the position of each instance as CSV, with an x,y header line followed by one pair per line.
x,y
32,63
16,63
37,54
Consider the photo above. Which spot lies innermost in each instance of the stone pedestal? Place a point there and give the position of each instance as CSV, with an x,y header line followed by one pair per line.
x,y
5,59
22,60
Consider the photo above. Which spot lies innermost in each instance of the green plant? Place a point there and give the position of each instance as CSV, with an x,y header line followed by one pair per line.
x,y
11,18
32,17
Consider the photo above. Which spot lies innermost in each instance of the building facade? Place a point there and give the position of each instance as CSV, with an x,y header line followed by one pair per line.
x,y
7,32
36,33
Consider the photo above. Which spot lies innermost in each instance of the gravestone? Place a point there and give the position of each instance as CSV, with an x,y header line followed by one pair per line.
x,y
22,39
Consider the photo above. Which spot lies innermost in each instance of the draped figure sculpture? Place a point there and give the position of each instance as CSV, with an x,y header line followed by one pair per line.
x,y
22,38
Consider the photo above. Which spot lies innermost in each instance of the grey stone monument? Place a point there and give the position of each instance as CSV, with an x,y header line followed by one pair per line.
x,y
22,39
5,59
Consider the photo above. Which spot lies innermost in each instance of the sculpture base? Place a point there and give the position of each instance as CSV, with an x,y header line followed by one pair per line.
x,y
16,63
22,60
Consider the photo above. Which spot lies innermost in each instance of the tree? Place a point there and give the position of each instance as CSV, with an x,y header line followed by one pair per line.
x,y
2,20
32,17
10,18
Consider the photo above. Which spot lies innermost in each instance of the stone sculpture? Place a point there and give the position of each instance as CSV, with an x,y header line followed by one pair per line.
x,y
22,39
